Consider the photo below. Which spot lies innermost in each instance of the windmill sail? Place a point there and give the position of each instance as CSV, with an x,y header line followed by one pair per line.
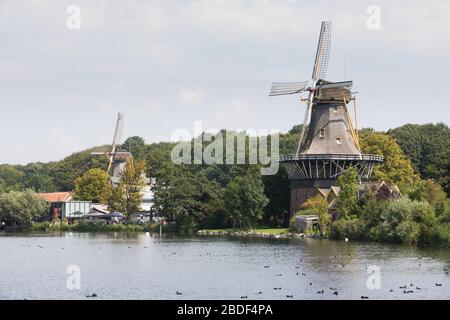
x,y
118,131
323,52
279,89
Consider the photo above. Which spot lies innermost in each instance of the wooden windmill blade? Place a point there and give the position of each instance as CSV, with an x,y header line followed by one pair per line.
x,y
118,131
323,52
116,139
283,88
302,134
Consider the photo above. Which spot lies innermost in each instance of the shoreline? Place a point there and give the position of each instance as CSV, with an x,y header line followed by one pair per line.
x,y
256,234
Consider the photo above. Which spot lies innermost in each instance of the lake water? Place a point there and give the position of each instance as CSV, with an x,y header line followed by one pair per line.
x,y
140,266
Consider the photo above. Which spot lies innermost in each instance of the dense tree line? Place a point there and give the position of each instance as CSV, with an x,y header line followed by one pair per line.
x,y
428,148
52,176
223,195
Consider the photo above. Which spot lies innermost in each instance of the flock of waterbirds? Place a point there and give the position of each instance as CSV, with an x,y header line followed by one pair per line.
x,y
407,288
334,291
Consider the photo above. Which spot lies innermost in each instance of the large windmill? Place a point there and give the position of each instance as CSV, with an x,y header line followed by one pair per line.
x,y
117,159
331,144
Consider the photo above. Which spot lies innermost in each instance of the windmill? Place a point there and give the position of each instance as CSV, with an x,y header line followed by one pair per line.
x,y
331,144
117,159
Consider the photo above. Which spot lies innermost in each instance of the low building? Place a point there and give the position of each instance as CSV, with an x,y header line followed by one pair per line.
x,y
306,222
63,206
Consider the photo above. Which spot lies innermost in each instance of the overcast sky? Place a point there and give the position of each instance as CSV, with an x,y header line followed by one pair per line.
x,y
168,63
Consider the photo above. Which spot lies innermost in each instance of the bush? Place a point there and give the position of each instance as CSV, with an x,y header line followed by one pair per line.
x,y
408,232
439,234
352,228
41,226
292,226
20,208
422,212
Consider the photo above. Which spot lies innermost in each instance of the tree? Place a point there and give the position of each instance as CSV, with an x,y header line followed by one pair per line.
x,y
427,146
245,200
318,206
135,145
431,192
397,168
276,188
65,172
10,178
127,196
346,202
187,199
91,185
20,208
36,176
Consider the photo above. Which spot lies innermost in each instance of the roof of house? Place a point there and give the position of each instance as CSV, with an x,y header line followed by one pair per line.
x,y
56,196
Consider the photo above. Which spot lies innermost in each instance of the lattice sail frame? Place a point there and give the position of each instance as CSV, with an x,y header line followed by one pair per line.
x,y
323,52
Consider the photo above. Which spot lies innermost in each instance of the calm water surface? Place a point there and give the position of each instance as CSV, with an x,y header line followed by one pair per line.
x,y
139,266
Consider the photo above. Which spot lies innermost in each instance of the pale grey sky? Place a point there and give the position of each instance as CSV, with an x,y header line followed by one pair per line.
x,y
168,63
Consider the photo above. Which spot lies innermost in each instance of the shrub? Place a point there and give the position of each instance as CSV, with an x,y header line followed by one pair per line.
x,y
439,234
20,208
292,226
422,212
408,232
352,228
41,226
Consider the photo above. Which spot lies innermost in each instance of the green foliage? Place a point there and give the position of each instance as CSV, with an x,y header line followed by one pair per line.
x,y
245,200
91,185
213,196
20,208
126,198
292,224
406,221
276,187
431,192
87,226
318,206
33,176
428,147
188,199
136,145
348,196
353,228
10,178
397,168
439,234
66,171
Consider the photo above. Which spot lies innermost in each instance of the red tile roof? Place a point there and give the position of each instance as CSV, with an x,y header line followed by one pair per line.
x,y
56,196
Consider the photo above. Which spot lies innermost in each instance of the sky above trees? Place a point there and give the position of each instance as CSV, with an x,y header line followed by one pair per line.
x,y
166,64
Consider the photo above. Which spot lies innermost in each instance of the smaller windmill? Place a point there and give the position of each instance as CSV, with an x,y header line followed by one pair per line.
x,y
117,159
